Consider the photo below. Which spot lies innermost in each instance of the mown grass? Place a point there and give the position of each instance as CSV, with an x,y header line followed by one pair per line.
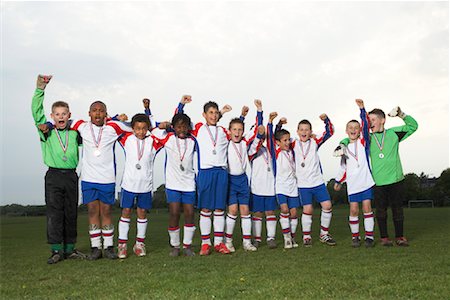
x,y
421,271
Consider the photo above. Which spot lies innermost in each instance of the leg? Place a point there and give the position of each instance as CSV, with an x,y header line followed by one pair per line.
x,y
368,221
257,227
139,246
381,204
174,228
124,228
189,228
230,224
307,224
353,221
94,224
70,212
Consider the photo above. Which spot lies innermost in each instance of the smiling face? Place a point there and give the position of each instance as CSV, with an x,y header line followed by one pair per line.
x,y
97,112
376,123
304,132
284,142
236,130
60,116
211,116
353,130
140,129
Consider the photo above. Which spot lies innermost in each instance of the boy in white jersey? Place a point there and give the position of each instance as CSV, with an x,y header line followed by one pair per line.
x,y
239,151
98,176
212,180
137,183
355,170
285,182
310,179
262,186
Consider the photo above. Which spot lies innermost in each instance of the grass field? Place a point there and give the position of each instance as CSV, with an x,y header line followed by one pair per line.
x,y
421,271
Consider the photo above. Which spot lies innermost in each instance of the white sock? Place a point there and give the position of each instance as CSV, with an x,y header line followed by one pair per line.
x,y
369,224
96,238
271,224
188,235
354,225
174,236
285,226
257,228
141,230
231,222
219,226
294,223
306,225
246,224
325,220
124,227
205,227
108,236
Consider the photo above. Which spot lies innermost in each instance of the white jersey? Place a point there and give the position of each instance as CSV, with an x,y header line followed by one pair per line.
x,y
262,179
356,170
285,179
212,145
240,153
139,158
98,161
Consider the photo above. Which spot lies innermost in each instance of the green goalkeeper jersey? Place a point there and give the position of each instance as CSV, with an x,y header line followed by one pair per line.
x,y
384,155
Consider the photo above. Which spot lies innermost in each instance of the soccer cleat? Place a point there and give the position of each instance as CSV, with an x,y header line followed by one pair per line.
x,y
75,254
221,248
294,243
307,242
249,247
356,242
402,242
369,243
230,247
271,244
122,250
56,257
188,252
205,250
110,253
256,243
139,249
386,242
174,252
288,243
95,254
327,239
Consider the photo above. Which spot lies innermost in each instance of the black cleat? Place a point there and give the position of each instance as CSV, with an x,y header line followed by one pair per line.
x,y
96,253
356,242
56,257
327,239
188,252
110,253
271,244
369,243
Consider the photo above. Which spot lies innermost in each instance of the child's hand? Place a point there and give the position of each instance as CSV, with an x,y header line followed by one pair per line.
x,y
186,99
164,125
282,121
397,112
313,136
261,130
146,103
360,103
42,81
323,117
43,128
272,116
122,117
258,104
337,187
244,111
225,109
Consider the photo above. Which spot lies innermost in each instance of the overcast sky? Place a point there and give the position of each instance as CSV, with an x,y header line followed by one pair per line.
x,y
300,59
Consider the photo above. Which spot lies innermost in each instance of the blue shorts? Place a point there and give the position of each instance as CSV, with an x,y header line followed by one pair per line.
x,y
212,188
140,200
238,189
359,197
292,202
319,193
104,192
180,197
262,203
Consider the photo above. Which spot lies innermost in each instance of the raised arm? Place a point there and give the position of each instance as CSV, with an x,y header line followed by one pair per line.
x,y
256,143
364,123
403,132
329,130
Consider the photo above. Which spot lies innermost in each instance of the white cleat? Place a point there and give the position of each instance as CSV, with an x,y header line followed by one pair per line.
x,y
288,243
230,247
249,247
294,243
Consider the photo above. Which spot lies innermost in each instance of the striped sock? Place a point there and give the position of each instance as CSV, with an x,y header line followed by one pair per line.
x,y
205,227
219,226
108,235
95,236
369,224
285,226
174,236
306,225
354,225
230,223
246,224
124,227
325,220
141,230
257,228
294,224
271,224
188,235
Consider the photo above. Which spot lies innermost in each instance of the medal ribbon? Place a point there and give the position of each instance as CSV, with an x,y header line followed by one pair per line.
x,y
63,147
239,153
307,149
179,150
266,158
214,141
380,145
140,150
290,159
354,155
96,141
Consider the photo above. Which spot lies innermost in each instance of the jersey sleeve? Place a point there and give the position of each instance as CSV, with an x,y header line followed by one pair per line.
x,y
271,144
37,110
329,131
365,128
341,175
119,127
254,146
123,138
403,132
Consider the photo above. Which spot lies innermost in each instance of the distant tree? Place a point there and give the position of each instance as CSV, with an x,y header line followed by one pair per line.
x,y
159,197
412,186
441,191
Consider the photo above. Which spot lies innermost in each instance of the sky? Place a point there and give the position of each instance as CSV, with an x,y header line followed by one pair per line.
x,y
300,58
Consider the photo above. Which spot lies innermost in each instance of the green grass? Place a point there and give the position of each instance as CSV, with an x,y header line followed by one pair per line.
x,y
421,271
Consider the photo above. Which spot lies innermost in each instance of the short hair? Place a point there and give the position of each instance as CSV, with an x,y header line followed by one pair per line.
x,y
378,112
352,121
140,118
306,122
236,121
97,102
279,134
210,104
181,118
60,104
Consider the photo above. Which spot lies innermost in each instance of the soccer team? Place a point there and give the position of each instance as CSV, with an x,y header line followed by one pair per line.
x,y
285,173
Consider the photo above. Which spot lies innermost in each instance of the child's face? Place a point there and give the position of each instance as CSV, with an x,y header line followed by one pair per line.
x,y
98,114
284,142
140,130
376,123
304,132
353,130
181,129
60,116
211,116
236,130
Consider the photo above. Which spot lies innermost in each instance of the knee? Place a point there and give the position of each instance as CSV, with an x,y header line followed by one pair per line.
x,y
126,213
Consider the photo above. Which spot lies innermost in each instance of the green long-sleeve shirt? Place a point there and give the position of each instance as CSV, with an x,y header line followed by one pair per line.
x,y
386,163
52,152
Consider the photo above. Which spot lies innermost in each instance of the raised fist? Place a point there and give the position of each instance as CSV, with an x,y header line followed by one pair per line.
x,y
397,112
272,116
225,109
185,99
360,103
42,81
323,117
244,111
283,121
258,104
122,117
146,102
